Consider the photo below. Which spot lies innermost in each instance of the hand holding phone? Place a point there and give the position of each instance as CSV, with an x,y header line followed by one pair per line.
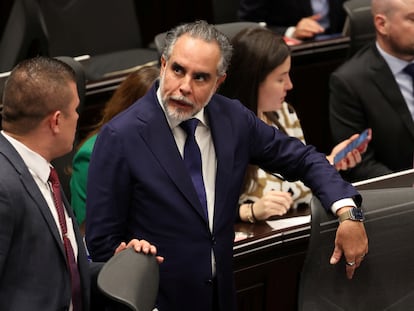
x,y
363,138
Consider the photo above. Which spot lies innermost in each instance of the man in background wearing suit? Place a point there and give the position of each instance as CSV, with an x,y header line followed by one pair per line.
x,y
374,90
139,185
39,121
296,18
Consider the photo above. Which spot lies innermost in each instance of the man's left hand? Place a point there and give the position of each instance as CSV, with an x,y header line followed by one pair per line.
x,y
352,242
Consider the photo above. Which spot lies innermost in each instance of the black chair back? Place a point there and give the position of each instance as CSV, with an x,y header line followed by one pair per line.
x,y
359,24
108,31
225,11
385,279
24,36
131,279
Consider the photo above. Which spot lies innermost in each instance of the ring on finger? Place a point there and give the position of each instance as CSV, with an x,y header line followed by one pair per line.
x,y
350,263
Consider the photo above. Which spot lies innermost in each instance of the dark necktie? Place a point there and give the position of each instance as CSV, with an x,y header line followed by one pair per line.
x,y
73,267
409,69
192,159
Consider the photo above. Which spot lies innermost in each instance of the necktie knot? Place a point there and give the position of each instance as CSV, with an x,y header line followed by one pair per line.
x,y
53,176
409,69
189,126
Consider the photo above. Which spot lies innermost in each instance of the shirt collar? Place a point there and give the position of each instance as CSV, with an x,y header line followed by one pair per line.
x,y
35,162
174,122
396,64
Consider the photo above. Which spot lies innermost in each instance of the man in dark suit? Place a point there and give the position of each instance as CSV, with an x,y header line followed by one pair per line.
x,y
139,185
372,90
39,121
295,18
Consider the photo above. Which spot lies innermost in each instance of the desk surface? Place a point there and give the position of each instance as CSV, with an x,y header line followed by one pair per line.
x,y
317,46
261,236
395,180
251,234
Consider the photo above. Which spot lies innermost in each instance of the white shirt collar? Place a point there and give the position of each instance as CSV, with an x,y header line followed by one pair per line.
x,y
35,162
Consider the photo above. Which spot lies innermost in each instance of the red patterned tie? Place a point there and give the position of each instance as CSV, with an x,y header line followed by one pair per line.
x,y
73,267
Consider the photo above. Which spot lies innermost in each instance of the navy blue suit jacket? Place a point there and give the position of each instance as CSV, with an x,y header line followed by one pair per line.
x,y
33,270
138,186
281,14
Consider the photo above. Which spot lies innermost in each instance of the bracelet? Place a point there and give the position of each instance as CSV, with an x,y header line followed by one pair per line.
x,y
251,218
251,209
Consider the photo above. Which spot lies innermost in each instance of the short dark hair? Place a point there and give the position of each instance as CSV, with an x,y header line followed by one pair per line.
x,y
35,88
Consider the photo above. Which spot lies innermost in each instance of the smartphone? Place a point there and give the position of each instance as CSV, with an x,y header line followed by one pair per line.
x,y
351,146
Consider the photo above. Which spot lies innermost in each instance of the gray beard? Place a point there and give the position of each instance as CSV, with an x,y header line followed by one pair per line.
x,y
176,113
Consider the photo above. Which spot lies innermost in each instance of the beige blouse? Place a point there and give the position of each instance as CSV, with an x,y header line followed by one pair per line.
x,y
266,182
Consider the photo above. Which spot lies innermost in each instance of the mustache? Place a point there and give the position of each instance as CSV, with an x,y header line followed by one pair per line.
x,y
181,98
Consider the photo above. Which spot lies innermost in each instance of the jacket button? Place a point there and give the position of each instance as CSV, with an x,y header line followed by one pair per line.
x,y
213,240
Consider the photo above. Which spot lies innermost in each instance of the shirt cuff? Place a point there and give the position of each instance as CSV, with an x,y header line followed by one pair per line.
x,y
342,203
290,31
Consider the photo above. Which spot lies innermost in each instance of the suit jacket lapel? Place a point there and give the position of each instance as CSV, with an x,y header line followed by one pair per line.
x,y
32,188
38,198
390,89
222,134
155,130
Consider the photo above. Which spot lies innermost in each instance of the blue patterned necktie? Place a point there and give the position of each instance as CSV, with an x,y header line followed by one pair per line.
x,y
409,69
192,160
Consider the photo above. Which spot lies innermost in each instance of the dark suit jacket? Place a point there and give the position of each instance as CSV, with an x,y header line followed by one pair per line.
x,y
138,186
33,270
281,14
364,93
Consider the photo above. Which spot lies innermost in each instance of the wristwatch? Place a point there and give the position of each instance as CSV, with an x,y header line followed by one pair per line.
x,y
354,214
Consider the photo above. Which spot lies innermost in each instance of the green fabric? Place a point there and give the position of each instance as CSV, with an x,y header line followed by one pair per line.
x,y
79,178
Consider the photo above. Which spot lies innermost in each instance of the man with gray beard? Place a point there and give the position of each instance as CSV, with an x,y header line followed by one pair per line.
x,y
145,180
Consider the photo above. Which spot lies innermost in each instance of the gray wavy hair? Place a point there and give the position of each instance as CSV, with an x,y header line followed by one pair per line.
x,y
204,31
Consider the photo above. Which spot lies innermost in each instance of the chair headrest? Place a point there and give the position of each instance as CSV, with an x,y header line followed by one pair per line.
x,y
131,278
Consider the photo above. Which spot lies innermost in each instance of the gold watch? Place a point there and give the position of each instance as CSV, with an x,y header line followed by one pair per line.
x,y
354,214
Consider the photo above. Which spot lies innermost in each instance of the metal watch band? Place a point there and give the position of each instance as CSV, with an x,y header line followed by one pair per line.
x,y
349,215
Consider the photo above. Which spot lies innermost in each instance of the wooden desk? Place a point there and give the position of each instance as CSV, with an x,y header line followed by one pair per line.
x,y
268,263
